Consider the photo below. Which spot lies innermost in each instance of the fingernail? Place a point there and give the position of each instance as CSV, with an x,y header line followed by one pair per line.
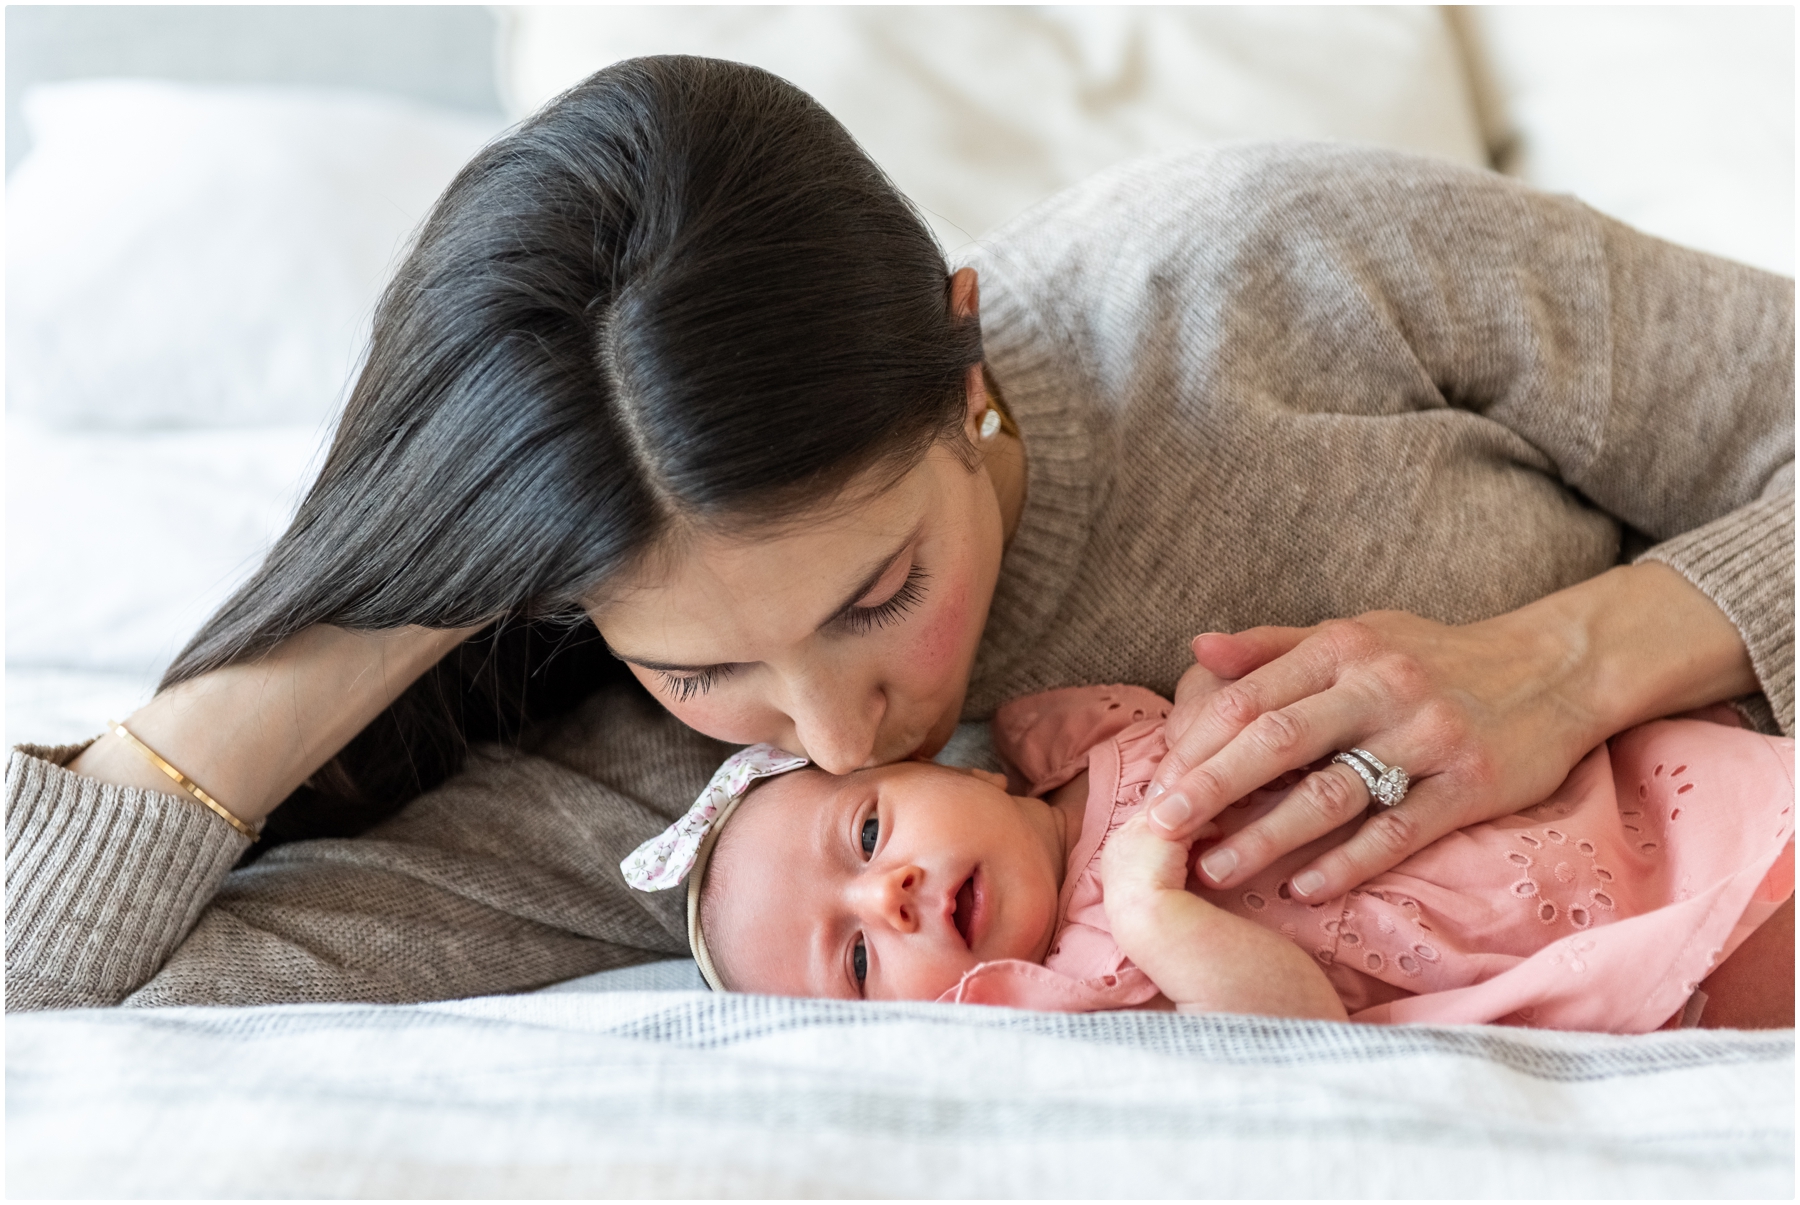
x,y
1219,863
1156,788
1306,884
1171,812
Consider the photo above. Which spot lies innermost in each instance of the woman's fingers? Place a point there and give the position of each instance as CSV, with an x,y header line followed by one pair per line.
x,y
1273,744
1220,659
1386,838
1228,710
1256,717
1236,654
1324,800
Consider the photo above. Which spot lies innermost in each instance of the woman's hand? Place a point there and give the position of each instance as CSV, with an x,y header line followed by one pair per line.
x,y
1486,718
1201,957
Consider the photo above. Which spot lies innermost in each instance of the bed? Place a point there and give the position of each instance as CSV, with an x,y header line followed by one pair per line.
x,y
191,268
579,1092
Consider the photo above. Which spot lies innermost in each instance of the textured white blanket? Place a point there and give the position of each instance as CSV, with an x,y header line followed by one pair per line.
x,y
659,1093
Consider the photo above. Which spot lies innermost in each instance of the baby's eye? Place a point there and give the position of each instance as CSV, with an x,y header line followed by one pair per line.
x,y
859,962
871,829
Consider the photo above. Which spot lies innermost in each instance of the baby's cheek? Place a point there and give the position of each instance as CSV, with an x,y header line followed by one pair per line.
x,y
924,975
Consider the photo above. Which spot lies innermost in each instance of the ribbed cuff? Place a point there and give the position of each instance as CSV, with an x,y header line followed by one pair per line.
x,y
102,881
1744,562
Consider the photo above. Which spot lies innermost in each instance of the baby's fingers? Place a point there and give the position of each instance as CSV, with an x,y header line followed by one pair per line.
x,y
1136,858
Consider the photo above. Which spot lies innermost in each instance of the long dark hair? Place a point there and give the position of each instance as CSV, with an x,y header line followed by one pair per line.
x,y
680,293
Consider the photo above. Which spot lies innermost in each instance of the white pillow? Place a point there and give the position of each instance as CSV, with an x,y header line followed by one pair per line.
x,y
187,255
1677,120
120,544
978,112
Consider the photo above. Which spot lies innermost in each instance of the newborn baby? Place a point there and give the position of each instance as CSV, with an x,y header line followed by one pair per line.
x,y
1598,909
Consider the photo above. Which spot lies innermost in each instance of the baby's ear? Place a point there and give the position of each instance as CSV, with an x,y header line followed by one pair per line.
x,y
989,777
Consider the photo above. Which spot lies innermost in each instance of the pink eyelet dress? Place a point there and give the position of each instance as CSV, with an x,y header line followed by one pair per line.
x,y
1599,909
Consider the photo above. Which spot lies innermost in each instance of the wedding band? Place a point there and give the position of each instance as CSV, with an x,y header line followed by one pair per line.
x,y
1387,784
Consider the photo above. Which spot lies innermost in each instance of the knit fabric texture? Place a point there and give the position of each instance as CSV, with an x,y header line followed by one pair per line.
x,y
1259,383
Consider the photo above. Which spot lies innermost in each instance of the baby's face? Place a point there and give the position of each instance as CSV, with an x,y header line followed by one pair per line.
x,y
888,883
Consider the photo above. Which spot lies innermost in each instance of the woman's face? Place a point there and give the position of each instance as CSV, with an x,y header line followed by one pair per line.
x,y
847,637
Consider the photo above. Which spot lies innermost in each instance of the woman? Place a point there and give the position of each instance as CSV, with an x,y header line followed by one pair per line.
x,y
676,358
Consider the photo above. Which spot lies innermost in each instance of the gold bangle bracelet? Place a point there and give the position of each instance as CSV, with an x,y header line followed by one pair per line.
x,y
183,781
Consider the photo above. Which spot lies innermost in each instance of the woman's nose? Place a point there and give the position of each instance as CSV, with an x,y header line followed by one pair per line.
x,y
890,897
837,735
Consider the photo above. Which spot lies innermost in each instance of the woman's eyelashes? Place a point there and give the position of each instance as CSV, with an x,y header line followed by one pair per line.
x,y
857,621
686,686
860,620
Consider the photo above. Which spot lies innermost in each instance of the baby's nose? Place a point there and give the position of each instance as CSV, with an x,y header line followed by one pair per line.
x,y
893,897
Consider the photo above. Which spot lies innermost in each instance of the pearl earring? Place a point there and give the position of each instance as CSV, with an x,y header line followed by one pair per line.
x,y
990,423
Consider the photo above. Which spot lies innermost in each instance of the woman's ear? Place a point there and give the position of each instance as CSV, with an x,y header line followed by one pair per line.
x,y
965,295
965,306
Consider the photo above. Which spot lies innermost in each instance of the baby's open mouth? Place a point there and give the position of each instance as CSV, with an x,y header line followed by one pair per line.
x,y
965,909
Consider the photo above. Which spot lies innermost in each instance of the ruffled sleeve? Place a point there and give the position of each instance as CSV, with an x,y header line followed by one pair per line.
x,y
1044,738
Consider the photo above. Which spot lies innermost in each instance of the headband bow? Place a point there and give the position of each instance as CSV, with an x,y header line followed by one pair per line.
x,y
663,861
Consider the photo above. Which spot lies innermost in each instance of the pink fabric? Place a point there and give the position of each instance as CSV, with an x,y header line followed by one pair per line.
x,y
1599,909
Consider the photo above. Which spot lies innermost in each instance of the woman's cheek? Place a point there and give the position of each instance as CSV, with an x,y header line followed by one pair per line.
x,y
943,642
737,721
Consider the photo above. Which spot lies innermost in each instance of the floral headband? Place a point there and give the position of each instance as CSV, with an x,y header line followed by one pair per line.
x,y
681,850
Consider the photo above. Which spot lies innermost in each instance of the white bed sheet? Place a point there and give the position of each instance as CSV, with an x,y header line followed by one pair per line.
x,y
656,1093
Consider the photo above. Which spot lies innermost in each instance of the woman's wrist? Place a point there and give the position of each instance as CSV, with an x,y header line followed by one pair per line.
x,y
1632,644
249,734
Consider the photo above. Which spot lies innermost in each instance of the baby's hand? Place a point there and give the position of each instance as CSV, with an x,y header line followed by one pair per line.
x,y
1137,860
1203,958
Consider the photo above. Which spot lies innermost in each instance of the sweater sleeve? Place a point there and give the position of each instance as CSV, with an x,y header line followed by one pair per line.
x,y
1744,562
1697,446
103,882
503,879
1657,381
1347,285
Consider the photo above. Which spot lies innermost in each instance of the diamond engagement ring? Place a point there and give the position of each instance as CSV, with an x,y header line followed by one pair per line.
x,y
1387,784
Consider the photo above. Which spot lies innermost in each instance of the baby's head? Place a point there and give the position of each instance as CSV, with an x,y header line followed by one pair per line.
x,y
888,883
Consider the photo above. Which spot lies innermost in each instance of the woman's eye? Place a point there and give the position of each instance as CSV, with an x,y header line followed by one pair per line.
x,y
859,962
686,686
859,620
871,831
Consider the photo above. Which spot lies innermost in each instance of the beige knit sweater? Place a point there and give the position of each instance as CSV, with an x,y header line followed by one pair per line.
x,y
1257,384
